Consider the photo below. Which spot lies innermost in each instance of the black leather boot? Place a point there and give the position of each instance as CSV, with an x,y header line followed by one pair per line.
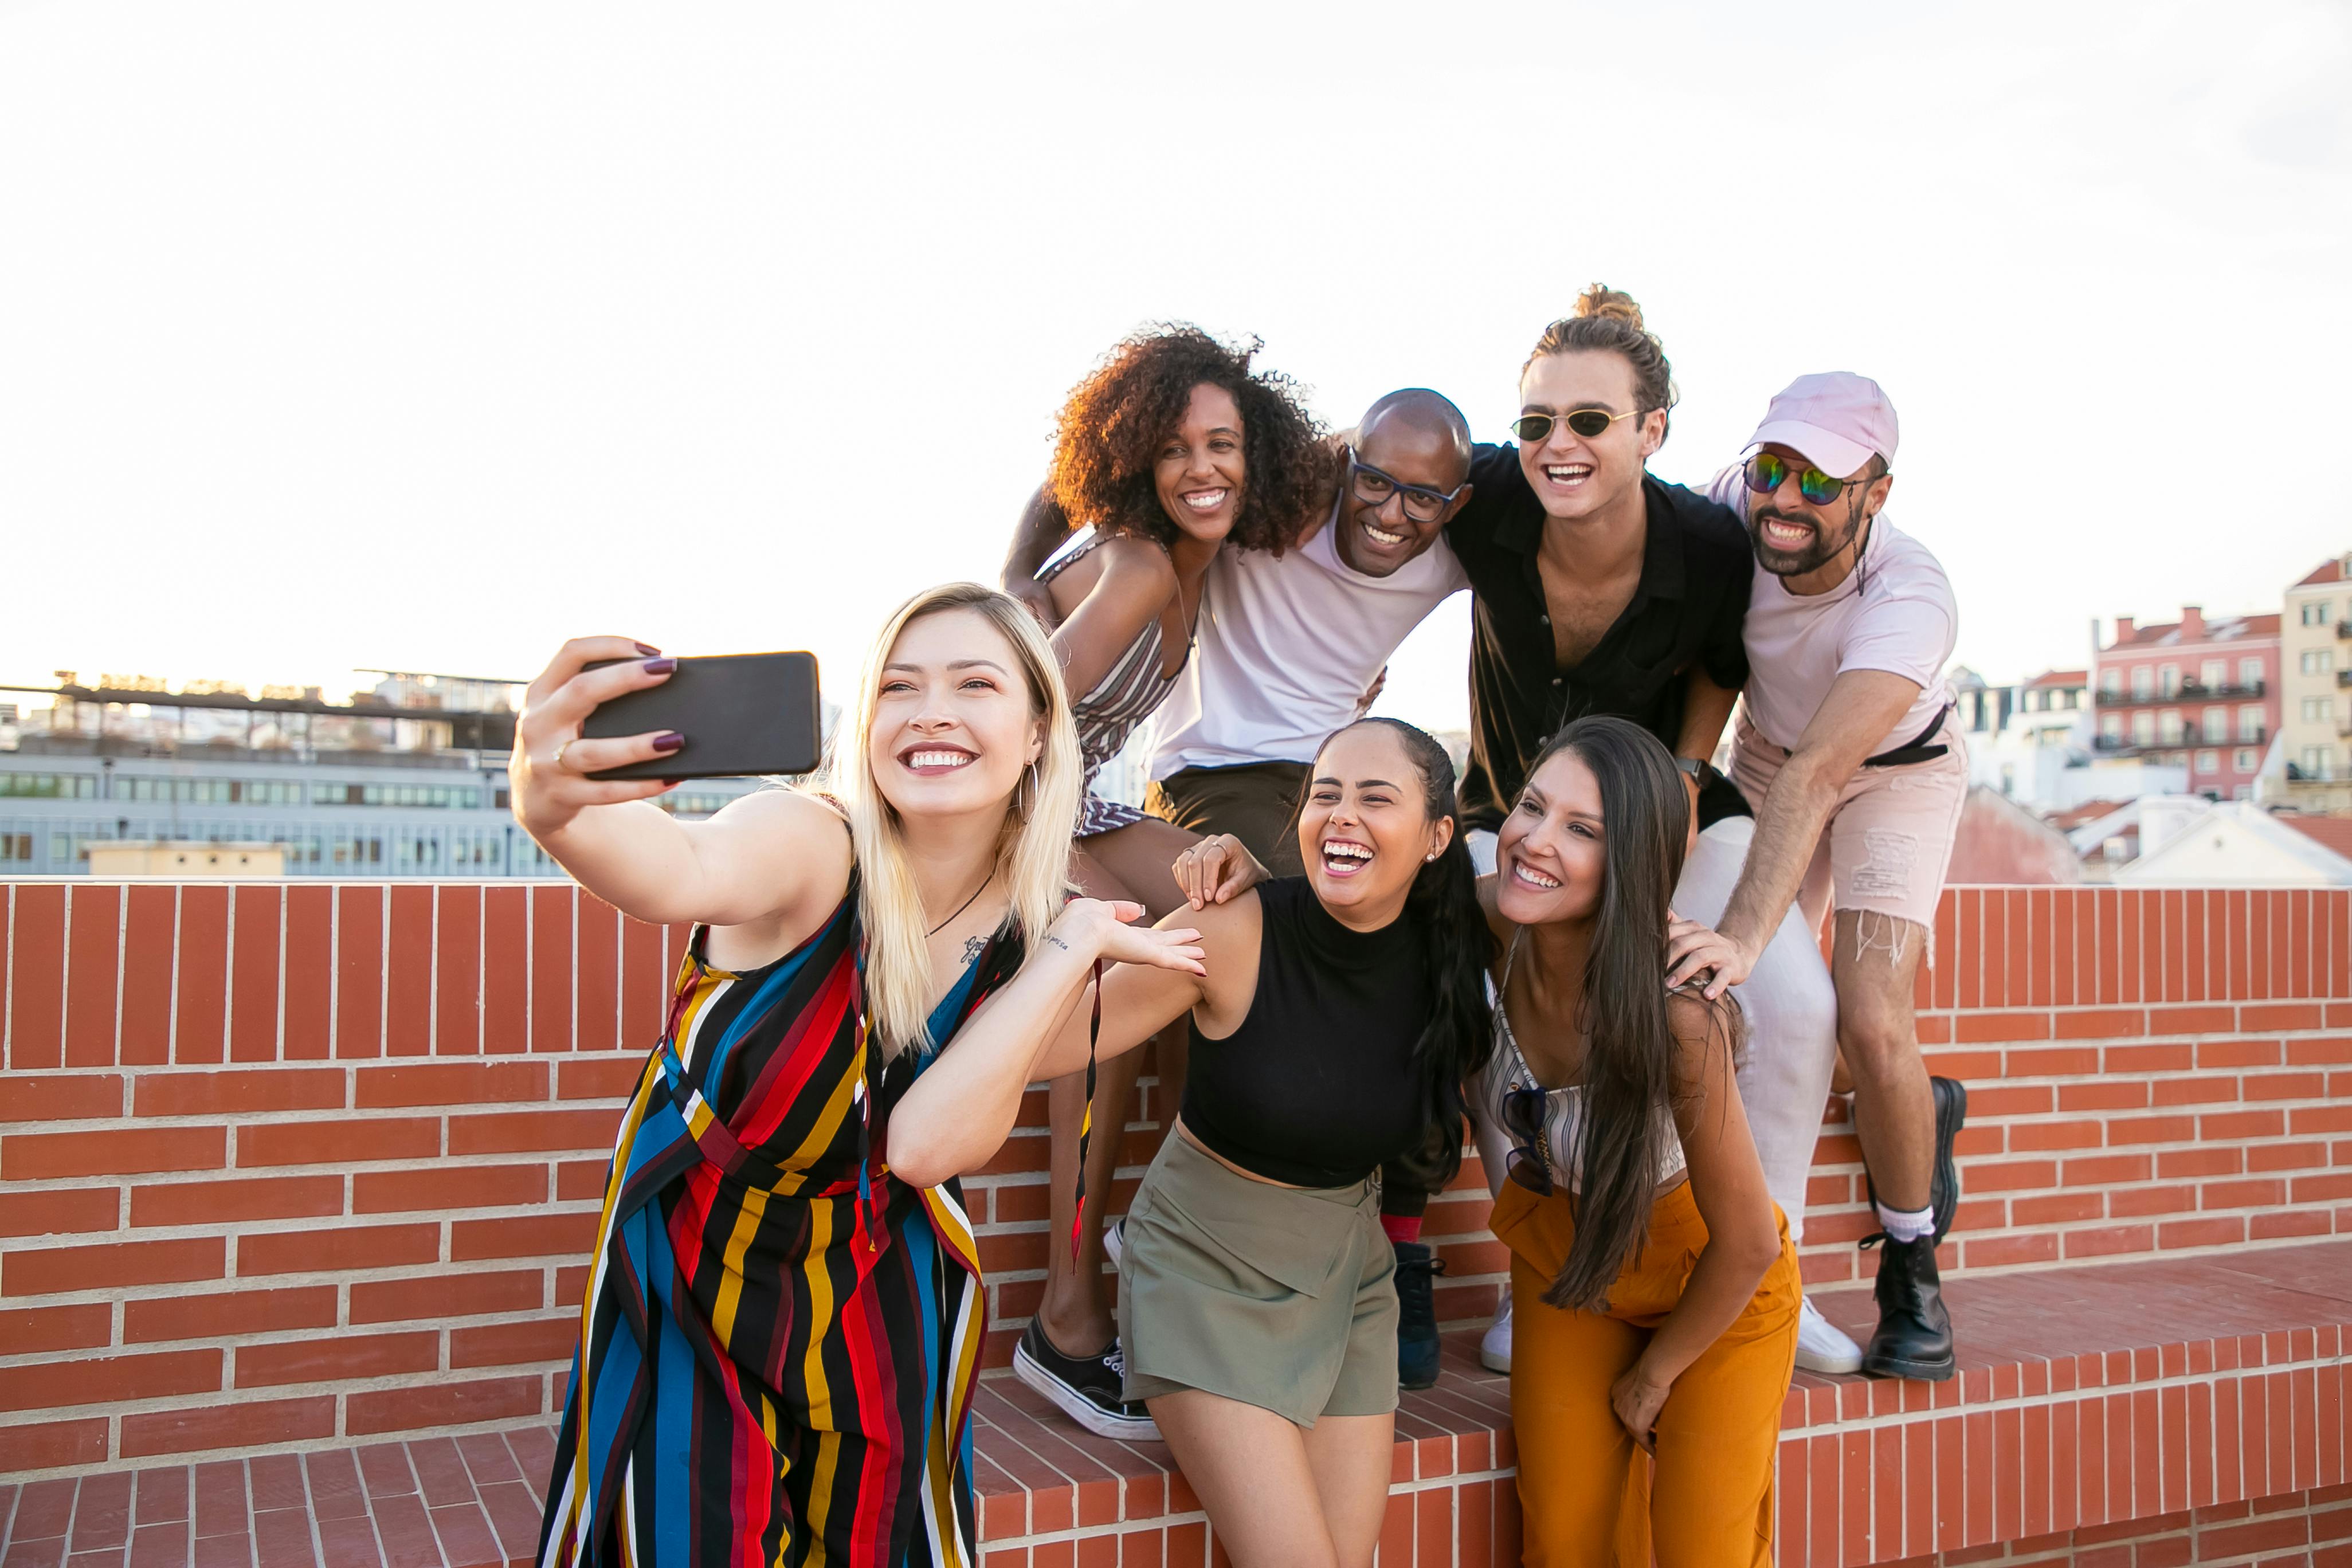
x,y
1913,1338
1944,1183
1416,1314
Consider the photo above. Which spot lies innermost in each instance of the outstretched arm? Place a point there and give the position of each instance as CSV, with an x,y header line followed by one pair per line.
x,y
774,861
961,1109
1862,705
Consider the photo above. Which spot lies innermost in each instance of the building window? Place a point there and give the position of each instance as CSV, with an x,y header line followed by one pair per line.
x,y
2315,762
2143,683
2214,672
2249,723
2111,681
2110,725
2314,612
2319,660
2143,729
2168,726
2250,673
2167,680
2248,760
2318,710
2208,762
2216,723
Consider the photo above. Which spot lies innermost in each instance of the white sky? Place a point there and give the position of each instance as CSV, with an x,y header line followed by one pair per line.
x,y
427,335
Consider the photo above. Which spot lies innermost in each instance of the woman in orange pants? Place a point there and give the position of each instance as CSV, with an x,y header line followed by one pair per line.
x,y
1656,1290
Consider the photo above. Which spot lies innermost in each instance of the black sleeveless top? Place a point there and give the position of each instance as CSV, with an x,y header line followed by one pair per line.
x,y
1318,1087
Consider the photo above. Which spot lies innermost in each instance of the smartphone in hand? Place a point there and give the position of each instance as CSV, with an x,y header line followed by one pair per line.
x,y
742,713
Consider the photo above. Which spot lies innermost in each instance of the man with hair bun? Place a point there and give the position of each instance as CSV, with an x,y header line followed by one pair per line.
x,y
1601,589
1847,749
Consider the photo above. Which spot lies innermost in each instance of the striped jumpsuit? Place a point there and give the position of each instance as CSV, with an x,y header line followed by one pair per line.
x,y
779,1339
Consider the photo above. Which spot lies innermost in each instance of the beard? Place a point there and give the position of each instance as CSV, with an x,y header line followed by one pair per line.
x,y
1817,551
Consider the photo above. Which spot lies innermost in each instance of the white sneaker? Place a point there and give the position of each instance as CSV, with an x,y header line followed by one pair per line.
x,y
1494,1350
1115,1239
1821,1346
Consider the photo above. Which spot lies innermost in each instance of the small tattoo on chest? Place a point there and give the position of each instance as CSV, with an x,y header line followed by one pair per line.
x,y
973,948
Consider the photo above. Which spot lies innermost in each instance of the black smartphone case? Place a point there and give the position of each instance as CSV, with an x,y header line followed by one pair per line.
x,y
744,713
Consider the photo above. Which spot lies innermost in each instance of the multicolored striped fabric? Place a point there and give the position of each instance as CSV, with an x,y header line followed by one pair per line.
x,y
779,1339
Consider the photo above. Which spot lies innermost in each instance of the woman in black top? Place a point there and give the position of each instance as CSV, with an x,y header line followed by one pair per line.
x,y
1334,1014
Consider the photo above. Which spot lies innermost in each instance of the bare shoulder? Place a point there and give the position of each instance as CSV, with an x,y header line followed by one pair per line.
x,y
1703,1030
1233,925
809,828
1137,565
1229,934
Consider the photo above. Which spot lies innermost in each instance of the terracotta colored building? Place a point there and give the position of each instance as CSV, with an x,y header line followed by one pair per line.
x,y
2194,693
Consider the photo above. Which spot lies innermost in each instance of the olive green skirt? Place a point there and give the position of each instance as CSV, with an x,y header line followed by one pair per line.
x,y
1277,1297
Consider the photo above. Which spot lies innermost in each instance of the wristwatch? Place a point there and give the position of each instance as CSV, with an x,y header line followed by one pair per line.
x,y
1692,766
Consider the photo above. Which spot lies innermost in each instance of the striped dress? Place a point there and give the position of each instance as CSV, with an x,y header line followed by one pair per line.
x,y
779,1339
1124,697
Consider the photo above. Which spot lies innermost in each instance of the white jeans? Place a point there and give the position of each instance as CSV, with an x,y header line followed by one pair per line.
x,y
1790,1009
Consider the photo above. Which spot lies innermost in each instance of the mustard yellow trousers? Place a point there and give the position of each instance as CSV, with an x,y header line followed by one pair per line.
x,y
1589,1497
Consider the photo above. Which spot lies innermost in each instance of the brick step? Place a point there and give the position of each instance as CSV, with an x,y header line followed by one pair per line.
x,y
2176,1398
2088,1398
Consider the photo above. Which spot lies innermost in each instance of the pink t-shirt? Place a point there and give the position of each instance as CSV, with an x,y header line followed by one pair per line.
x,y
1895,613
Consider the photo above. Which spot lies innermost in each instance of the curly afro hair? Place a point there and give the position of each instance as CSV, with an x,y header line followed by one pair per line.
x,y
1112,428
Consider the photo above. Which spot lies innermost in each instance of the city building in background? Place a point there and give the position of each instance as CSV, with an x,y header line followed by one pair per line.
x,y
2314,704
2033,744
2196,694
406,779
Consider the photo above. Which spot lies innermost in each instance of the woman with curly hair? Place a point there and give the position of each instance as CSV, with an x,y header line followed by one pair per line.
x,y
1171,449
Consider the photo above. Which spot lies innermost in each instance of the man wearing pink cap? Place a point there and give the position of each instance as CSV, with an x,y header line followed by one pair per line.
x,y
1846,750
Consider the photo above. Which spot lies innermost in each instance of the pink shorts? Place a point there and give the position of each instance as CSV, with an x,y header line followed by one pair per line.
x,y
1889,838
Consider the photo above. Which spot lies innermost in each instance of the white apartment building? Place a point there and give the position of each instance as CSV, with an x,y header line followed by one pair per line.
x,y
2315,689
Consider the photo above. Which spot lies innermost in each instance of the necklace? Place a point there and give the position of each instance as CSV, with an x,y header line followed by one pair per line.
x,y
943,925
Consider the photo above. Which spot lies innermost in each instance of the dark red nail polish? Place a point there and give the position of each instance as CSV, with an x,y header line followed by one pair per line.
x,y
648,648
660,666
669,742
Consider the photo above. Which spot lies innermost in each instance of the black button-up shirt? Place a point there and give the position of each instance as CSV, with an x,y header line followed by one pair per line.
x,y
1686,611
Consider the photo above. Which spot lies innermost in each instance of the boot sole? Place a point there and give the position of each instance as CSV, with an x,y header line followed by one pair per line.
x,y
1078,1408
1914,1371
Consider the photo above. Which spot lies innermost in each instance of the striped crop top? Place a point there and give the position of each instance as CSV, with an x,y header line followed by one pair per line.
x,y
1506,1069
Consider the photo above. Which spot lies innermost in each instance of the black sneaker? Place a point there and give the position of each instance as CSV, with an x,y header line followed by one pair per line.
x,y
1086,1388
1416,1314
1915,1334
1944,1183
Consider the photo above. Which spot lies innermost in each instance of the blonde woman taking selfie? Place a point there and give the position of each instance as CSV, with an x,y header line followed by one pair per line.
x,y
781,1331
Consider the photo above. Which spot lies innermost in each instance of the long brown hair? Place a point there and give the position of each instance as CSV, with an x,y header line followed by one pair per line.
x,y
1606,320
1628,1082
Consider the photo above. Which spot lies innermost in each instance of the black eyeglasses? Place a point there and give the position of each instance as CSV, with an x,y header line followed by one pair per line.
x,y
1525,1111
1767,471
1374,488
1532,428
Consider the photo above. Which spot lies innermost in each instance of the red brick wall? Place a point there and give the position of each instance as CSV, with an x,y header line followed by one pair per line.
x,y
283,1164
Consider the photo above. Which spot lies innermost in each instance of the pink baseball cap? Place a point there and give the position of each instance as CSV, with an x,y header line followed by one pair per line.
x,y
1836,418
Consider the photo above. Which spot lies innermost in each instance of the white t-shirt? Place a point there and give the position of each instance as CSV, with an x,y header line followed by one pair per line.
x,y
1287,645
1894,613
